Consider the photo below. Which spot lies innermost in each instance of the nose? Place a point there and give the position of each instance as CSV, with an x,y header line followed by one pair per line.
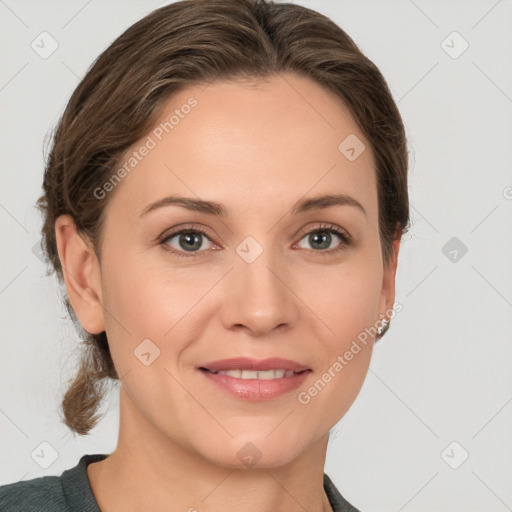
x,y
259,297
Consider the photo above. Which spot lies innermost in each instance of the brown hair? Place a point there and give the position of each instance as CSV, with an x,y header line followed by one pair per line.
x,y
192,42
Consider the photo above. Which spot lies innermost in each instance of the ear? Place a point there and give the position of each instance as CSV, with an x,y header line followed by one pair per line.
x,y
82,277
387,299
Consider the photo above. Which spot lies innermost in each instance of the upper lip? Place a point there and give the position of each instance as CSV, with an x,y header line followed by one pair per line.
x,y
247,363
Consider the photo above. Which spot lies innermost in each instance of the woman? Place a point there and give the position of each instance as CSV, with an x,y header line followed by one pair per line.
x,y
224,202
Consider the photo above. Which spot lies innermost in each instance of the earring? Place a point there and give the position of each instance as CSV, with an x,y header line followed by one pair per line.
x,y
384,326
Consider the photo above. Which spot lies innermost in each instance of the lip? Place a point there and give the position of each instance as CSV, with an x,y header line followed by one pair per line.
x,y
248,363
255,389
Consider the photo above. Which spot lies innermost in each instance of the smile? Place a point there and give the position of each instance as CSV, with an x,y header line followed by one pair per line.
x,y
253,374
255,379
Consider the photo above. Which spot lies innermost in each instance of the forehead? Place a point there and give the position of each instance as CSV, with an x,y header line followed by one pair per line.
x,y
251,143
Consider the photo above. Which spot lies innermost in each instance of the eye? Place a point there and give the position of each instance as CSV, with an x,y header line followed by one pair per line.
x,y
186,243
321,238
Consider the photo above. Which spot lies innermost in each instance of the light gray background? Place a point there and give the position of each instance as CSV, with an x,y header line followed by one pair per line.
x,y
443,371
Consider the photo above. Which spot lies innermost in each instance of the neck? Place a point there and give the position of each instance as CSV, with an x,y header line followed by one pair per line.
x,y
150,471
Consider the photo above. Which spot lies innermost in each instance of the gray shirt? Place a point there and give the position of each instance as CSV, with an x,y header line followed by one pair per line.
x,y
71,492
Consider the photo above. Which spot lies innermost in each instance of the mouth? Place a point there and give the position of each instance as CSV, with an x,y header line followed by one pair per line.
x,y
256,374
255,379
250,368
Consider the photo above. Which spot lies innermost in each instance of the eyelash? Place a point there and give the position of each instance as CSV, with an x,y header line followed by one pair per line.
x,y
346,240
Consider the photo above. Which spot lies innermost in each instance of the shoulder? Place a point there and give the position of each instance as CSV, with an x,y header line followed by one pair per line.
x,y
338,502
70,491
33,495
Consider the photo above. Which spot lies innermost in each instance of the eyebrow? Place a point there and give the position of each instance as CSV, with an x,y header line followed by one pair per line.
x,y
213,208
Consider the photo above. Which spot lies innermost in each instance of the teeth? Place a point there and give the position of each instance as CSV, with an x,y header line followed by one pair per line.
x,y
253,374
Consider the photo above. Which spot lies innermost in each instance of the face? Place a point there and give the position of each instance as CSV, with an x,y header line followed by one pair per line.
x,y
276,275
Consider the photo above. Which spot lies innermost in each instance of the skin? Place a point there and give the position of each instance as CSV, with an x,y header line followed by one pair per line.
x,y
257,148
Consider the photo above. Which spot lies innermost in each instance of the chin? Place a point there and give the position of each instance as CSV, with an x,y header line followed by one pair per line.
x,y
258,451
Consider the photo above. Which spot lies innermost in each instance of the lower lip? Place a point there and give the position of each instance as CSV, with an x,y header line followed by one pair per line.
x,y
256,389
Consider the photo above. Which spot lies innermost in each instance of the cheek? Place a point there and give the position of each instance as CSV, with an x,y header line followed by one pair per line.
x,y
135,308
143,296
149,302
346,301
347,305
